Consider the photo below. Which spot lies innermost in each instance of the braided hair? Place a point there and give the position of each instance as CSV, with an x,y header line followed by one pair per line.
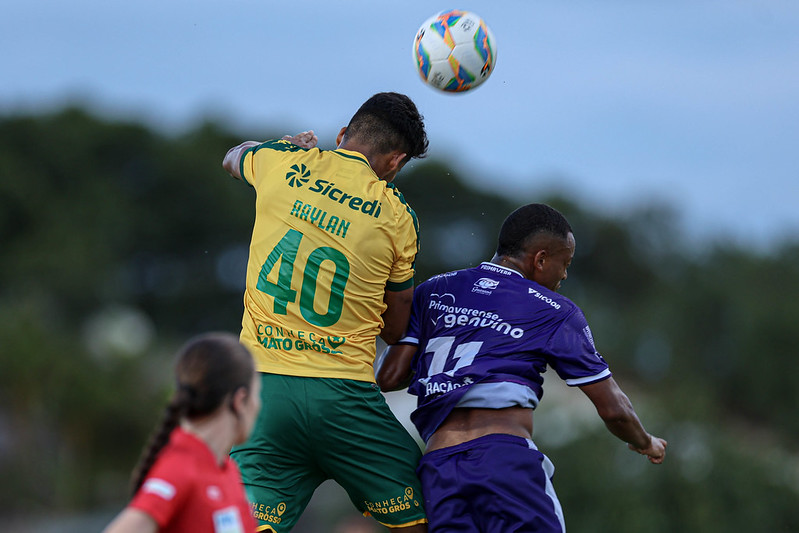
x,y
208,369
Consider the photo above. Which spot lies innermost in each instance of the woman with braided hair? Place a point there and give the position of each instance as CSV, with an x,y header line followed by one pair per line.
x,y
185,480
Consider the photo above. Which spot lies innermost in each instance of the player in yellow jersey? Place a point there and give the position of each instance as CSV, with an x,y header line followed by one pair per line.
x,y
330,268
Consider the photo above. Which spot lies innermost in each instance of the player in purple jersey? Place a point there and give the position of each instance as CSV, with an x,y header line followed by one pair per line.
x,y
476,347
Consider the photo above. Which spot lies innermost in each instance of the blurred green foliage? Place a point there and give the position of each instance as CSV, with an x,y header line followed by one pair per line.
x,y
117,243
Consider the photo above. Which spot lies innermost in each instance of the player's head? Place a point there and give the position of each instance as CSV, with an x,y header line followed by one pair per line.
x,y
390,121
387,123
216,371
215,377
540,238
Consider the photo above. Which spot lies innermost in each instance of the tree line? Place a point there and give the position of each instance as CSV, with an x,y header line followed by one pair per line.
x,y
117,242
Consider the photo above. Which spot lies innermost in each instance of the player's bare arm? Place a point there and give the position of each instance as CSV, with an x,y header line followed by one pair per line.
x,y
617,412
395,372
233,156
396,315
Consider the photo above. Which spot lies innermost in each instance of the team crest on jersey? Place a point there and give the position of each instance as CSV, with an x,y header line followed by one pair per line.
x,y
298,175
213,492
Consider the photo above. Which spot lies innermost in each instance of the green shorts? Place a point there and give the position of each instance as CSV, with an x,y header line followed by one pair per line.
x,y
313,429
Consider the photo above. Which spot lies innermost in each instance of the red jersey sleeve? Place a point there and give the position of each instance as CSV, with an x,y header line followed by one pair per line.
x,y
164,490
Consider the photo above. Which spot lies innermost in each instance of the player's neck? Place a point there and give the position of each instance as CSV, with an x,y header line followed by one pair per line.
x,y
509,262
217,433
379,162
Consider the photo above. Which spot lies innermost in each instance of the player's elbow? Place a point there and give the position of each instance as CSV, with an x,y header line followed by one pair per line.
x,y
394,326
617,413
232,158
390,378
386,380
391,335
229,163
393,367
614,416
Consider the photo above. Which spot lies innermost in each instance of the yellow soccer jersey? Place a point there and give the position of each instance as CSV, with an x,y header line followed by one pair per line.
x,y
329,237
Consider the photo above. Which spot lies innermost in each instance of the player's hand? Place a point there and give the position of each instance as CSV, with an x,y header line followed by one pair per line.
x,y
656,451
306,139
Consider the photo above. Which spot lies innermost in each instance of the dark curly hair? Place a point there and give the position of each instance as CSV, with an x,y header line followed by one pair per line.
x,y
527,221
390,121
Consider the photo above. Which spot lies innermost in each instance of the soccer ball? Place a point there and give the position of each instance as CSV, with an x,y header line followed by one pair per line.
x,y
454,51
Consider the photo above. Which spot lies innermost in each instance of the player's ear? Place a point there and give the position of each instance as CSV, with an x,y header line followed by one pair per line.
x,y
539,258
397,160
340,135
390,164
238,400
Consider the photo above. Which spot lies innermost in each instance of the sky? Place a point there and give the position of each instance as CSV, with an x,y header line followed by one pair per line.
x,y
616,104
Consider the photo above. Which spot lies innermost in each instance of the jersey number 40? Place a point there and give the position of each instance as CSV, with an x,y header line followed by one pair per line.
x,y
285,251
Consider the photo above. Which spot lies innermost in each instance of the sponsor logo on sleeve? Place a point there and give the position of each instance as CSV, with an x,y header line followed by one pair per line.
x,y
160,488
589,336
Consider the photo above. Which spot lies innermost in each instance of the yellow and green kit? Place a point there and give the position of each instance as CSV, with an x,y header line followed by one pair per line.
x,y
330,238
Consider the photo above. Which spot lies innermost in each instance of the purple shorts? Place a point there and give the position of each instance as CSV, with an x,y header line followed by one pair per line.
x,y
493,483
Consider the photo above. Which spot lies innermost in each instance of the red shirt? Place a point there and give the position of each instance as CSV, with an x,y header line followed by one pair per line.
x,y
187,490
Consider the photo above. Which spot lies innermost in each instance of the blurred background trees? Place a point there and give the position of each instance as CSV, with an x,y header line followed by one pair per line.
x,y
118,242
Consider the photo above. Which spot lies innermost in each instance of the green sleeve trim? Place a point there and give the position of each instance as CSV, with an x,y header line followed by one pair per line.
x,y
408,208
411,212
401,286
278,145
241,163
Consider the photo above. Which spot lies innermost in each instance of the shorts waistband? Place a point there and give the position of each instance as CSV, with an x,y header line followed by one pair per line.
x,y
480,441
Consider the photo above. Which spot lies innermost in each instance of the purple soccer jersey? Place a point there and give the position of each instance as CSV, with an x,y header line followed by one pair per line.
x,y
486,335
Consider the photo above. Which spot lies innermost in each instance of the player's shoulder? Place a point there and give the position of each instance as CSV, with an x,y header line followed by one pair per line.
x,y
445,278
551,299
393,194
174,466
278,145
394,202
186,451
281,152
